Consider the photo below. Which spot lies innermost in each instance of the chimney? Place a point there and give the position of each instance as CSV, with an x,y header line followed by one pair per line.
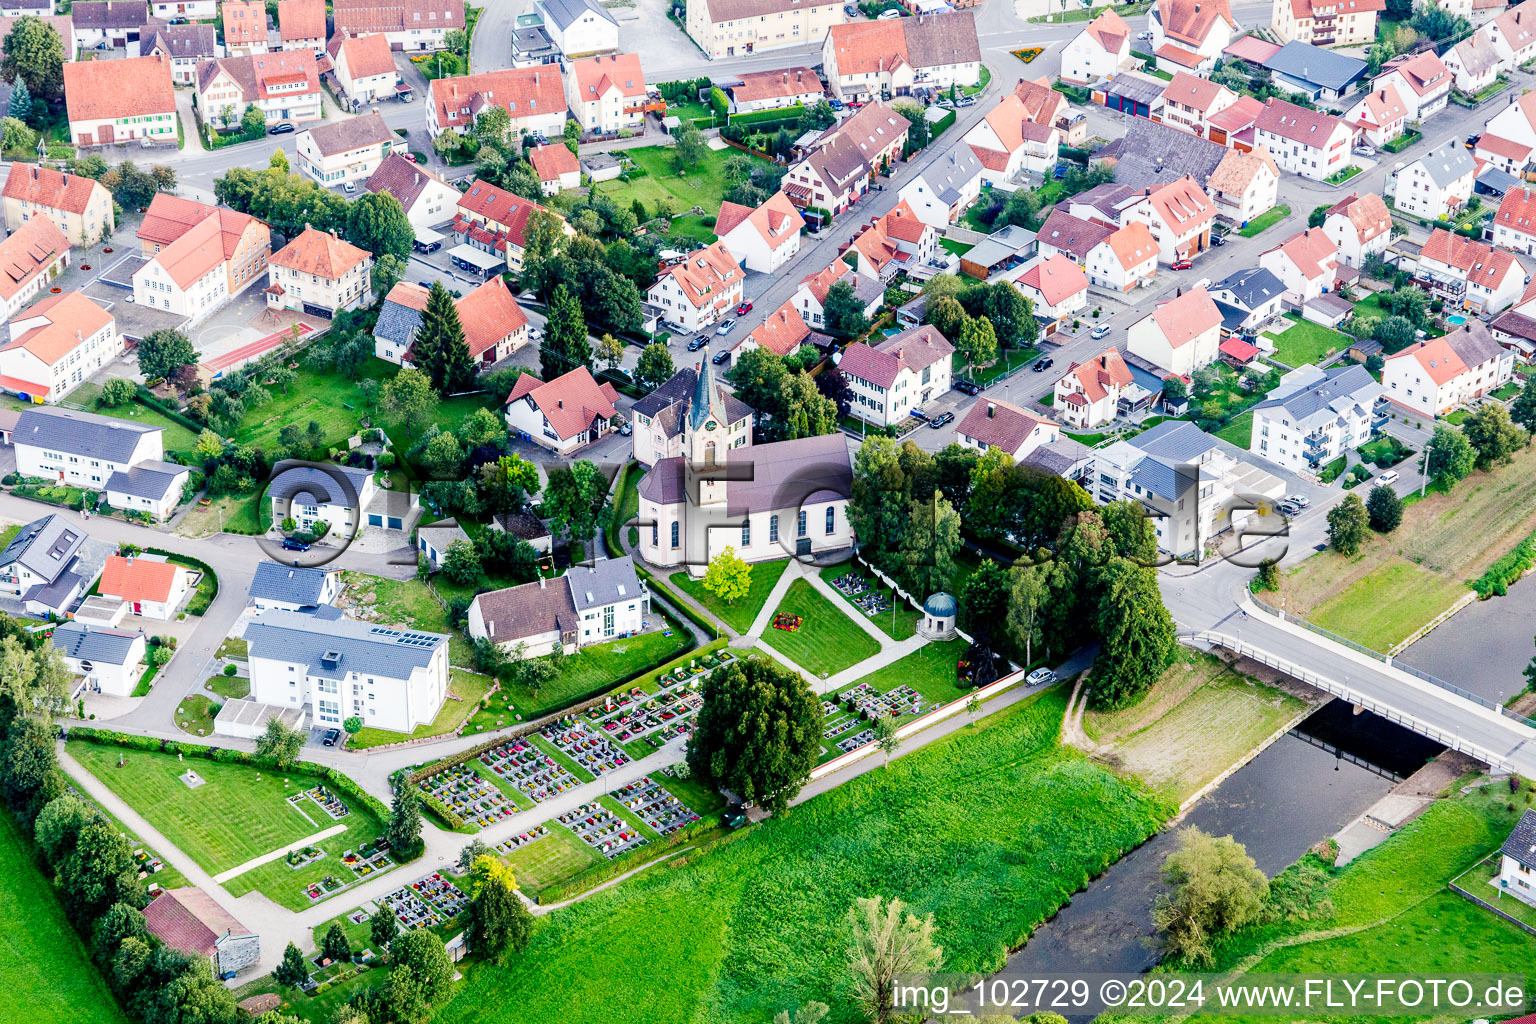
x,y
535,79
991,410
560,402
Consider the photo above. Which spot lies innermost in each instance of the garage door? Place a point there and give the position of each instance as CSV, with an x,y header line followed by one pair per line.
x,y
395,523
375,520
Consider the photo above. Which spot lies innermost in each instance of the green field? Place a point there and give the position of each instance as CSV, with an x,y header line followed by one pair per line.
x,y
465,693
827,641
1239,430
703,185
1384,608
740,615
601,667
45,974
990,829
177,437
930,670
897,626
409,603
551,860
1305,342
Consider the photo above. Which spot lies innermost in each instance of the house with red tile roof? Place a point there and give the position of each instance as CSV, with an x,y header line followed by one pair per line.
x,y
413,26
534,97
607,94
1509,138
994,423
1102,50
320,273
1190,34
495,221
784,331
56,344
564,415
1009,143
1306,142
429,201
1473,63
1359,226
33,255
1124,260
189,920
895,242
867,60
1513,34
301,25
1189,102
245,27
1422,80
1088,394
245,246
115,101
79,207
1179,215
364,68
1245,183
1056,286
1307,264
841,163
1180,335
1327,22
810,298
494,325
763,238
149,585
774,90
556,167
898,376
1380,114
1514,226
1436,376
700,290
1232,123
284,86
1469,274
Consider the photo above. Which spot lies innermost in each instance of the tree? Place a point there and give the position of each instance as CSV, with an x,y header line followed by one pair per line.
x,y
758,376
565,344
1394,333
758,733
728,577
58,825
887,738
422,976
29,773
164,352
293,969
1385,508
121,921
118,391
376,221
919,131
984,598
809,413
99,872
335,947
1523,409
1214,889
34,53
407,399
655,366
1028,590
383,928
927,553
403,830
1021,208
21,102
440,350
1174,389
1317,216
1449,454
507,483
388,270
499,924
15,136
887,942
977,342
1011,315
461,563
946,315
690,149
1269,574
1137,635
279,742
1492,435
610,350
253,123
843,312
1347,523
573,499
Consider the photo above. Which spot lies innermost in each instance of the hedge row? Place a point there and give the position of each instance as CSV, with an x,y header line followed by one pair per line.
x,y
196,563
1507,570
709,628
439,810
778,114
146,397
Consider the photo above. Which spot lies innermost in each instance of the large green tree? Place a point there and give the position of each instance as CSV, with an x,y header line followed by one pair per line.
x,y
376,221
1449,454
1214,888
164,352
565,345
807,412
1348,522
1137,635
407,400
507,483
499,924
655,366
421,978
29,772
440,350
403,830
1492,435
34,53
843,313
758,733
573,499
1385,508
928,547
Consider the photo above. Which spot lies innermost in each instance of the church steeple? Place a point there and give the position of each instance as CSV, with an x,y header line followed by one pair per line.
x,y
706,396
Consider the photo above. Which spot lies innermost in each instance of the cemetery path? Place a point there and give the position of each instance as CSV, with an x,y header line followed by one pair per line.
x,y
764,619
266,858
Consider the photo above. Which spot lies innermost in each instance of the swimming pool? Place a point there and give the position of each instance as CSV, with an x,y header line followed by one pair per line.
x,y
1456,321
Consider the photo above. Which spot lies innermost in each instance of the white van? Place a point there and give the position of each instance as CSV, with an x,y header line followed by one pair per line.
x,y
1389,477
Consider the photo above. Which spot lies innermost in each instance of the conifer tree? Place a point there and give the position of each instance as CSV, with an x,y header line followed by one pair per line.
x,y
440,350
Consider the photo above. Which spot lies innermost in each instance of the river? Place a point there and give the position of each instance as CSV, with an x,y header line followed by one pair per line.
x,y
1498,629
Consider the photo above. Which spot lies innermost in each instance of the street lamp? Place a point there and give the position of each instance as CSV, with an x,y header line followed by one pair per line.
x,y
1424,483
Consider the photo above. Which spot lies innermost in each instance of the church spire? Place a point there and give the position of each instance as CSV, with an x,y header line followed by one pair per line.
x,y
705,395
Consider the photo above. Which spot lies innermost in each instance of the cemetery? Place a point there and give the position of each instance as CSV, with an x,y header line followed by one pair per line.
x,y
429,901
589,748
602,829
462,790
528,769
656,807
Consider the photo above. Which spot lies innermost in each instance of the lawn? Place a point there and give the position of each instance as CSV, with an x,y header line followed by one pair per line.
x,y
406,603
1305,342
990,829
549,861
827,641
46,976
177,438
1228,399
1239,430
1265,220
930,670
702,185
1342,175
1009,360
897,624
195,715
1386,606
597,669
230,687
8,534
957,248
740,615
465,692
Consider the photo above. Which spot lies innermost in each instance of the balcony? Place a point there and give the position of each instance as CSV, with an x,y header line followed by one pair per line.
x,y
1316,442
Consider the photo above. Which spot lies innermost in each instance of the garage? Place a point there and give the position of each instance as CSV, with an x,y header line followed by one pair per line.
x,y
395,523
374,520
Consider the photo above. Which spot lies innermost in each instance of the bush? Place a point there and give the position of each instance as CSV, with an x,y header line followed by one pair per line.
x,y
230,670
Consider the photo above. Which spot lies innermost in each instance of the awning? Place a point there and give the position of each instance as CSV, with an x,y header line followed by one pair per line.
x,y
477,258
426,236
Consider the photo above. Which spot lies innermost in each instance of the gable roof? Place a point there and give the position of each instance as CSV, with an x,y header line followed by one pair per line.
x,y
187,42
1237,170
67,320
362,647
1316,65
45,547
1181,204
1319,395
947,175
1447,163
1055,277
345,135
531,609
354,17
1186,317
1193,91
264,75
1381,107
1191,21
996,423
1109,31
553,159
1150,153
1133,245
401,178
366,56
97,90
1071,234
1476,53
300,19
1521,844
104,14
594,76
570,402
300,585
508,211
152,479
566,12
1446,358
788,474
138,579
881,364
1104,372
1310,251
245,22
188,919
488,314
1251,288
1298,124
316,252
1306,10
669,405
755,86
1517,211
1518,26
1482,264
522,92
92,643
783,330
1421,72
1367,214
604,582
706,276
29,250
924,41
1242,113
776,221
80,433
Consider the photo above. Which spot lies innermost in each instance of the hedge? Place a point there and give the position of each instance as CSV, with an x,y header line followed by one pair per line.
x,y
1507,570
710,628
147,398
196,563
440,810
942,124
793,113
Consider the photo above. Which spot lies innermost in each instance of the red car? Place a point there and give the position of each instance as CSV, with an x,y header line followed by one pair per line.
x,y
744,308
409,156
1184,265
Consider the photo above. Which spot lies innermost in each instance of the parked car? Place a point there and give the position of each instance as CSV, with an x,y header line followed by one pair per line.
x,y
1041,365
1040,677
535,334
1472,141
965,101
1289,508
726,326
850,10
1218,239
744,309
1144,35
425,247
918,414
966,386
625,429
697,343
1299,500
941,419
331,736
1364,150
1098,332
889,15
289,544
409,156
722,356
349,187
280,129
1389,477
1184,265
835,104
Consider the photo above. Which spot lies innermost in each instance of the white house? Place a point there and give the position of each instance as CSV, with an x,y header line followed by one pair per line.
x,y
1435,376
310,496
1517,860
1247,299
1125,260
1326,22
1089,393
185,46
1509,137
1473,63
43,556
994,423
434,539
841,162
1380,114
301,25
1514,226
129,100
700,290
57,344
1437,183
108,661
534,97
1305,142
729,28
319,273
774,90
810,298
337,668
150,585
364,68
189,277
79,207
589,604
150,488
1179,216
284,86
1194,31
294,587
1422,81
81,449
410,25
495,221
245,27
556,166
895,242
1189,102
1245,185
564,415
944,188
345,151
579,27
1056,286
1314,416
1469,275
1181,335
880,59
897,376
182,10
761,239
1359,227
1307,264
1008,143
33,256
1513,34
607,94
1101,50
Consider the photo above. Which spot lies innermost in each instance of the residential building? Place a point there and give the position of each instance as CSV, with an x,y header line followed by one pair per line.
x,y
1072,236
320,274
1509,137
1516,329
1436,376
589,604
1359,226
1194,32
108,24
579,28
1517,858
1231,124
428,200
607,94
1473,63
1248,299
1437,183
533,96
1245,185
1307,264
785,330
434,539
34,254
895,242
150,585
1513,34
55,345
173,235
1180,335
994,423
294,587
364,68
1189,102
1101,50
35,8
43,558
1090,393
1422,81
1514,226
399,319
494,221
1327,22
1323,76
896,377
81,449
79,207
773,90
556,167
1005,249
108,661
568,413
843,161
301,25
284,86
942,190
245,27
494,324
700,290
309,496
872,60
338,668
152,488
129,100
1469,275
731,28
660,418
1305,142
1315,416
346,151
1179,215
1056,286
1125,260
810,298
761,239
185,46
190,921
410,25
1150,154
63,24
1008,143
1380,115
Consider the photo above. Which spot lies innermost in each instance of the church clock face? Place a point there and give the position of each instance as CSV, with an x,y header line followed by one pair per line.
x,y
709,425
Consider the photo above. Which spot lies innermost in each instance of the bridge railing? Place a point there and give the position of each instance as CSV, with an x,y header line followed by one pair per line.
x,y
1451,740
1387,659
